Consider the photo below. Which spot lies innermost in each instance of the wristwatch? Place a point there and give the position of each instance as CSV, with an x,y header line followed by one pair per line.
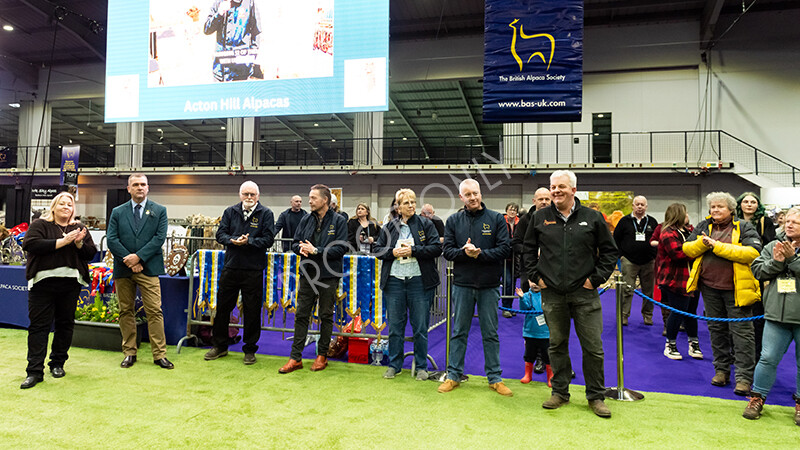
x,y
316,251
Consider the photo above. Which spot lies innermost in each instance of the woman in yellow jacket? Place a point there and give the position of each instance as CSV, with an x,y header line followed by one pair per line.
x,y
723,249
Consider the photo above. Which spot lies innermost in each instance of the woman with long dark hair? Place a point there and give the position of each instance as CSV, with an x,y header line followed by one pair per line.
x,y
362,230
671,276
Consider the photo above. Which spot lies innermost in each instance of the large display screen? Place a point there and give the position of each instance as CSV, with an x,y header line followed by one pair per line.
x,y
197,59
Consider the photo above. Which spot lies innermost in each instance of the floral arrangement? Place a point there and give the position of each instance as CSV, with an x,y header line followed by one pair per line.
x,y
99,311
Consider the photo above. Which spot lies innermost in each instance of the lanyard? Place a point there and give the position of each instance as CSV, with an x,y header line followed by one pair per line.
x,y
636,227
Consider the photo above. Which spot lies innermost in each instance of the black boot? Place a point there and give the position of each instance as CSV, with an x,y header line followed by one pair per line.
x,y
538,366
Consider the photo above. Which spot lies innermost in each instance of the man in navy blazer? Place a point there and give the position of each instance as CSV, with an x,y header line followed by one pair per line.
x,y
136,232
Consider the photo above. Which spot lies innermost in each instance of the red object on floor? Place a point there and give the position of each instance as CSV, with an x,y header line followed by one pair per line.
x,y
358,350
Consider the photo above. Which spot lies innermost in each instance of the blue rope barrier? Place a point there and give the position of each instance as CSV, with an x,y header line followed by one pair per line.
x,y
520,311
527,311
695,316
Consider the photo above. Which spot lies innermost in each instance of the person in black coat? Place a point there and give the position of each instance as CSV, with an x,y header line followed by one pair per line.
x,y
59,250
362,230
246,230
750,208
321,242
408,246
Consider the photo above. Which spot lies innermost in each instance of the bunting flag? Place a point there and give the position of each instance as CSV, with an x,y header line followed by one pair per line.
x,y
379,311
210,263
358,294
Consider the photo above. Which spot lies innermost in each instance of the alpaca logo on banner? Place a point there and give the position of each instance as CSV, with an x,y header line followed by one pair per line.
x,y
522,35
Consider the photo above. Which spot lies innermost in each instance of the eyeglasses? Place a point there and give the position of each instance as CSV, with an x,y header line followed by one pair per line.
x,y
249,194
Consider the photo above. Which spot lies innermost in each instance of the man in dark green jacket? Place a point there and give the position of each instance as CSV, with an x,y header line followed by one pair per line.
x,y
136,232
569,252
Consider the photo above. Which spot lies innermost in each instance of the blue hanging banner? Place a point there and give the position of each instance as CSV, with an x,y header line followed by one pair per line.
x,y
533,64
5,157
70,154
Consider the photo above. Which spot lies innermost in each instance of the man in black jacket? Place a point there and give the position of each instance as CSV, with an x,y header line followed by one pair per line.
x,y
541,199
321,242
632,235
476,240
246,230
569,252
288,221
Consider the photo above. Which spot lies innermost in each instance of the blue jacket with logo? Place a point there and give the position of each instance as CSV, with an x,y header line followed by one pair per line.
x,y
426,248
332,245
487,230
260,226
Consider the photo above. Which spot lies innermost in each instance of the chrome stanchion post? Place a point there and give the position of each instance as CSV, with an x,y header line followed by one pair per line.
x,y
440,376
620,392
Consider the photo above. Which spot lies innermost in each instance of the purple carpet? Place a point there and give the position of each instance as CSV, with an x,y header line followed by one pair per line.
x,y
646,368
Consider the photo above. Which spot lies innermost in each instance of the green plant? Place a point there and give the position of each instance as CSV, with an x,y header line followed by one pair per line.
x,y
106,311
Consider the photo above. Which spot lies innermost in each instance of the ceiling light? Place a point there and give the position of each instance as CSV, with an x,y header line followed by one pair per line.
x,y
111,145
405,139
8,28
222,128
185,143
391,121
316,124
600,116
14,105
160,130
80,132
333,140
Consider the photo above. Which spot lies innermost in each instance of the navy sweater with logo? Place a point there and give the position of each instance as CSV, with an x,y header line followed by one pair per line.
x,y
261,229
330,240
487,230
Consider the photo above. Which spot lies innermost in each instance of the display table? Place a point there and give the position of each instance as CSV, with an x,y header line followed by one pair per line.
x,y
14,301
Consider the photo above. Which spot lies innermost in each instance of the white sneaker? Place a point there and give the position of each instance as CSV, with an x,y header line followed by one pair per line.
x,y
390,373
671,351
694,350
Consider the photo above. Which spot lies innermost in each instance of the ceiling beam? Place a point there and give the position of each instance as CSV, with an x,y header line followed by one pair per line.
x,y
344,122
188,131
297,132
80,126
469,111
73,24
22,71
422,142
709,21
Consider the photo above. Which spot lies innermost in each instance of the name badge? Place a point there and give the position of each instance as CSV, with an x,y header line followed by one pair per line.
x,y
640,237
540,320
787,286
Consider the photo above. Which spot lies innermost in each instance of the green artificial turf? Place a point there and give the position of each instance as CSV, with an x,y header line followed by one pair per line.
x,y
223,403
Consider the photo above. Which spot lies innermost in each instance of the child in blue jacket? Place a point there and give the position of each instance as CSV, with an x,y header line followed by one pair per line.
x,y
536,334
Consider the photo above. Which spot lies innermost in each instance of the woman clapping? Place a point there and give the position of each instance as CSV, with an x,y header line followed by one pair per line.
x,y
59,250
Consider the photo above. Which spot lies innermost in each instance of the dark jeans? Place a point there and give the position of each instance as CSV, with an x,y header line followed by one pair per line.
x,y
464,301
51,301
584,309
407,296
683,303
721,304
251,284
307,298
535,347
